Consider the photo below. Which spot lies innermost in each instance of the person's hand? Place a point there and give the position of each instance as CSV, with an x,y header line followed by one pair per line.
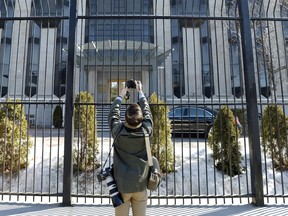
x,y
138,86
123,92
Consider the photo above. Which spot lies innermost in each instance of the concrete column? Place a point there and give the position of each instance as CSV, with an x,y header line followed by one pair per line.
x,y
46,62
192,61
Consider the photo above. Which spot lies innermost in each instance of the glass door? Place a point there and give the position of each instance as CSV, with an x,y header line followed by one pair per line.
x,y
115,88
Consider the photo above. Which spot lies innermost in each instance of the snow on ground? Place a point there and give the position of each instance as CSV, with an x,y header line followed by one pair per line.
x,y
194,174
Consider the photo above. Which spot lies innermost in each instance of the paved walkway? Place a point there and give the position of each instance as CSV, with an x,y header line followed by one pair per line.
x,y
7,208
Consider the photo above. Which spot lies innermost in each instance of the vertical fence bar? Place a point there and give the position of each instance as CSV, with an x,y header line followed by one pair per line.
x,y
69,108
252,109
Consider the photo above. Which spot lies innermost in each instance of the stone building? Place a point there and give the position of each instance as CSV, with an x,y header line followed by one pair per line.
x,y
185,51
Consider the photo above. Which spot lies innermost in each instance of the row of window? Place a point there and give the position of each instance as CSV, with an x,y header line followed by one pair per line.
x,y
108,7
139,30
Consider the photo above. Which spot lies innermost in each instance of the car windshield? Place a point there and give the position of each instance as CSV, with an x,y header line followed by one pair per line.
x,y
209,110
199,112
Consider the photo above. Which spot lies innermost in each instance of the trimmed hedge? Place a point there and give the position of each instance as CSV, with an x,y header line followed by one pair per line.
x,y
85,122
274,136
58,117
14,138
223,140
162,147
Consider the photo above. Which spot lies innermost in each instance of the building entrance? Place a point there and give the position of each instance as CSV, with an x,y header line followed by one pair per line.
x,y
107,82
114,88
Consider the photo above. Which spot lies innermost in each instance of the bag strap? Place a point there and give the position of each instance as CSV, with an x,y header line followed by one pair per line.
x,y
116,137
148,149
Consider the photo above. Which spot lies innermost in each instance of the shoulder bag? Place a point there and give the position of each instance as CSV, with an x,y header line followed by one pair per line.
x,y
154,176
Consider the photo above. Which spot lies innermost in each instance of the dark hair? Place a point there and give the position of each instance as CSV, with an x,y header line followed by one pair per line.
x,y
133,115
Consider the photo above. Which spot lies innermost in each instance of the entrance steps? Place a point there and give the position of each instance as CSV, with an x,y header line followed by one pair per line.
x,y
102,116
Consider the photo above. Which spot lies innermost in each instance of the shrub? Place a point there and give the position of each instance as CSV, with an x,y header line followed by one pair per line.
x,y
241,114
14,139
161,142
274,135
223,140
242,117
84,158
58,117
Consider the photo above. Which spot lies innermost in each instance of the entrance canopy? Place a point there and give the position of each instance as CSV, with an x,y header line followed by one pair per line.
x,y
121,52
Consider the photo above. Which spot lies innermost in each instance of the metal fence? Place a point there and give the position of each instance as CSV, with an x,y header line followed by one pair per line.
x,y
63,62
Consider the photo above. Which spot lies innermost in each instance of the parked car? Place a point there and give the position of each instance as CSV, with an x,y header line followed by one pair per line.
x,y
192,119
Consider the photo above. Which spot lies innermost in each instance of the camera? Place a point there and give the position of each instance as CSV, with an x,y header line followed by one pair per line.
x,y
130,84
116,197
104,174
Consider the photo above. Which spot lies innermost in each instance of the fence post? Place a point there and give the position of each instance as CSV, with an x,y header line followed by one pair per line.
x,y
252,108
69,108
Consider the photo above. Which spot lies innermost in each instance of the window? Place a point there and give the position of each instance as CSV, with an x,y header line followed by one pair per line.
x,y
206,58
261,64
178,112
123,29
193,112
235,64
201,113
109,7
32,67
284,11
4,71
61,56
48,8
195,7
6,10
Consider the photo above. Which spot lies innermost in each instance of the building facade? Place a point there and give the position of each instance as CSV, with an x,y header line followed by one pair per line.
x,y
182,50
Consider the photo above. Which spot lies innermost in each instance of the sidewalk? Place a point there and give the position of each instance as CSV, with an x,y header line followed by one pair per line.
x,y
7,208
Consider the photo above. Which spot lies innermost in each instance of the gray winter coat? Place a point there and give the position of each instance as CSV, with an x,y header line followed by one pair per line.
x,y
130,169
